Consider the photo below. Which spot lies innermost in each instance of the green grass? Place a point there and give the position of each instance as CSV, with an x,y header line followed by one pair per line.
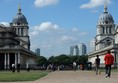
x,y
8,76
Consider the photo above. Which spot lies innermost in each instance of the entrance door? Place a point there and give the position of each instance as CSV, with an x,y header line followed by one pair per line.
x,y
12,59
1,61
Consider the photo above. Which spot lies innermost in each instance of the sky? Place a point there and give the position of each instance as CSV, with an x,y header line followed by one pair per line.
x,y
55,25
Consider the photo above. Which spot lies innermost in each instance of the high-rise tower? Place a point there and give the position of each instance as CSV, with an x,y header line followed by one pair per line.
x,y
82,49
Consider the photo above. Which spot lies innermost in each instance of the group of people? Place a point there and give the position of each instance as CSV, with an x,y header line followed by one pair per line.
x,y
18,67
109,60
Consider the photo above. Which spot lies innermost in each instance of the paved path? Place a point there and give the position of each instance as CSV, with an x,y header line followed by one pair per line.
x,y
75,77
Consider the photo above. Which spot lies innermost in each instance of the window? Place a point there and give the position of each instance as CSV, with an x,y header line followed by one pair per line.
x,y
106,22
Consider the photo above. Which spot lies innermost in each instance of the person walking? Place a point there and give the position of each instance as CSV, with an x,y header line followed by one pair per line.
x,y
18,67
74,65
97,64
109,60
13,67
27,67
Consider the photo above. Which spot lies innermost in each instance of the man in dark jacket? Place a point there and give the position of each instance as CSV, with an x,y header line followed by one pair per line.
x,y
97,64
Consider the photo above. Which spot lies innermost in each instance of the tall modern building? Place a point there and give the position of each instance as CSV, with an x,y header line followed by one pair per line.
x,y
106,37
82,49
37,51
92,45
15,43
74,50
78,49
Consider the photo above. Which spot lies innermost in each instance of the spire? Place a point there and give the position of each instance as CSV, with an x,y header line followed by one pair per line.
x,y
105,6
19,8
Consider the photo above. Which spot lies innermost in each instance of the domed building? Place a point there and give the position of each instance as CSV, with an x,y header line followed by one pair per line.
x,y
20,25
106,37
15,44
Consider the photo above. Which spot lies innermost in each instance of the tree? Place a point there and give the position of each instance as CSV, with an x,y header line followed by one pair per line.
x,y
42,61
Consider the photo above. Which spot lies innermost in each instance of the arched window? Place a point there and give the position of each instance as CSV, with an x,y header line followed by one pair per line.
x,y
108,42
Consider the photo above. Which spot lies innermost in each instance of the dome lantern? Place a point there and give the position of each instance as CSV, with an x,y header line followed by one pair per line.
x,y
19,9
19,18
105,7
105,17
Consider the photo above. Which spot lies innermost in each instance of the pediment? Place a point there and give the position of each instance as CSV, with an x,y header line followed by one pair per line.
x,y
107,41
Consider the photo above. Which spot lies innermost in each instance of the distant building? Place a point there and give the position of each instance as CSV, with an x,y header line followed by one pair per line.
x,y
78,49
74,50
82,49
37,51
92,45
15,43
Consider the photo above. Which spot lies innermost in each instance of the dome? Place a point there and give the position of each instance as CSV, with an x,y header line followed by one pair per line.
x,y
19,18
105,17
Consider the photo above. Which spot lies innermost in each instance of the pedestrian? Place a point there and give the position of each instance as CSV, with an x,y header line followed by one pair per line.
x,y
109,60
97,64
13,67
18,67
74,65
27,67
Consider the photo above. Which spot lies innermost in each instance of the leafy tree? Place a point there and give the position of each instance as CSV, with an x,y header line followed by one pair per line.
x,y
51,60
83,59
42,61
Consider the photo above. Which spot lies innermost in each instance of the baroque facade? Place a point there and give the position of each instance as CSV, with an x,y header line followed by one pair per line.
x,y
15,43
106,37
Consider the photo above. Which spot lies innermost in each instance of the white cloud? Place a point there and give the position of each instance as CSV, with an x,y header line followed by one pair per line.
x,y
5,24
94,3
83,33
43,27
34,33
75,29
42,3
94,11
66,38
46,26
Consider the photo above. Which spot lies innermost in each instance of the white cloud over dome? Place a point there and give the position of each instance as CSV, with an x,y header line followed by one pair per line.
x,y
5,24
42,3
94,3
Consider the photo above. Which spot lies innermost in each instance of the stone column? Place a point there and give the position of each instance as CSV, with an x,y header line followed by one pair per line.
x,y
16,57
17,31
8,61
5,61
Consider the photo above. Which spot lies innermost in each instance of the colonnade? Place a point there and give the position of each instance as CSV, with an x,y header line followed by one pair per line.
x,y
7,59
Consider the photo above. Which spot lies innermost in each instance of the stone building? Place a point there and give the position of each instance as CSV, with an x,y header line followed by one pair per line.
x,y
106,37
15,43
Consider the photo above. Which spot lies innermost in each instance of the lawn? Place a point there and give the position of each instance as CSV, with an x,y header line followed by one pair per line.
x,y
8,76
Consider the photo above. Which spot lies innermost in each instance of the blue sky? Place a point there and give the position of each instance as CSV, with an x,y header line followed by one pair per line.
x,y
55,25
